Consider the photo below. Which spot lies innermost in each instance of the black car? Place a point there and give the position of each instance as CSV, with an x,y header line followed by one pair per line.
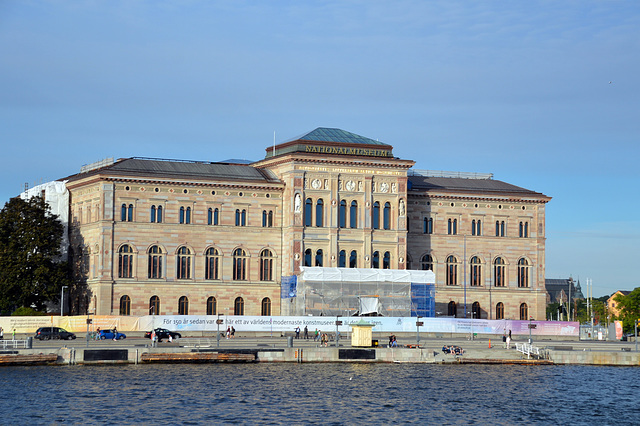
x,y
57,333
163,333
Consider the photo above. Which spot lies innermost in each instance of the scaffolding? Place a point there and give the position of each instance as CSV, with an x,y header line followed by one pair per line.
x,y
354,291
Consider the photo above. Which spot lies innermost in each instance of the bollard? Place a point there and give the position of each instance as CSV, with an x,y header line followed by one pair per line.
x,y
29,342
289,341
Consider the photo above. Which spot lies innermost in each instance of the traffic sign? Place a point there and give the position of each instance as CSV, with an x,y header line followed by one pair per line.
x,y
419,324
533,325
338,322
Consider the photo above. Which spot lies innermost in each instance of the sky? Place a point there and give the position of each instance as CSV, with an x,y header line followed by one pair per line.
x,y
543,94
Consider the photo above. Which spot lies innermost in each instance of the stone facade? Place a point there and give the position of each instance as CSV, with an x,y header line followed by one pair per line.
x,y
178,235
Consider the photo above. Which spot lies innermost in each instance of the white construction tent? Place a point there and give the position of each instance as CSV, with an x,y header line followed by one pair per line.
x,y
355,291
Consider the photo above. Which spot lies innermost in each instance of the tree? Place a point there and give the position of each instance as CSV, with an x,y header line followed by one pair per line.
x,y
31,272
629,308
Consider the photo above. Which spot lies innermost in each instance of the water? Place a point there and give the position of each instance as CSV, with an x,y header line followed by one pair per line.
x,y
320,394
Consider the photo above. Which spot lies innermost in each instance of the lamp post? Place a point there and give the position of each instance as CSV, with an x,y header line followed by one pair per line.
x,y
418,324
62,300
218,322
338,323
473,315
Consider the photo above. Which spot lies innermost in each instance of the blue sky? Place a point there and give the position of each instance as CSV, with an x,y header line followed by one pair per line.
x,y
543,94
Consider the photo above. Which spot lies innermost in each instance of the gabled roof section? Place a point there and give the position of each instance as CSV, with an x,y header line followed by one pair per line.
x,y
149,168
327,134
330,141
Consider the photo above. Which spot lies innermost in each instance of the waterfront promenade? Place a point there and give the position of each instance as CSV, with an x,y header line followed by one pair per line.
x,y
254,348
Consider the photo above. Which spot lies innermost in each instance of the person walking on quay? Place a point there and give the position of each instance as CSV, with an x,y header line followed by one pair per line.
x,y
509,340
504,339
233,332
316,336
13,337
1,334
297,332
115,333
306,333
228,332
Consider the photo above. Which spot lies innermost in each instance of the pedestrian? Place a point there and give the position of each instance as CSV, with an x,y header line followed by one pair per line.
x,y
509,340
170,338
233,332
316,336
1,334
14,334
297,332
228,331
504,339
306,333
115,334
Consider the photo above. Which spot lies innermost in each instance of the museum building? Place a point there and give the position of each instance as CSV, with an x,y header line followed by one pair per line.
x,y
167,237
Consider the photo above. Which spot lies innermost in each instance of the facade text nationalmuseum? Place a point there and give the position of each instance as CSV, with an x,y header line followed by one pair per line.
x,y
153,236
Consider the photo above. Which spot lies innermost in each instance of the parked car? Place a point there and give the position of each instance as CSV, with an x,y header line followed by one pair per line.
x,y
57,333
110,334
163,333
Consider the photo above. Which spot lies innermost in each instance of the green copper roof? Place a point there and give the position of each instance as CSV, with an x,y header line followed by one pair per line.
x,y
326,134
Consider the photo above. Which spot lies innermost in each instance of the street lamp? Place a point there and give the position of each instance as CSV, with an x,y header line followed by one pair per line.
x,y
62,300
418,324
338,323
218,322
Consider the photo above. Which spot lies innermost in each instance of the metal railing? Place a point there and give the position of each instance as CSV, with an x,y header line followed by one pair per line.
x,y
14,344
530,350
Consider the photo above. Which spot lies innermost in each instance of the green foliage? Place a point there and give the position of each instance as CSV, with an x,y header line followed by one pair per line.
x,y
27,312
629,308
30,271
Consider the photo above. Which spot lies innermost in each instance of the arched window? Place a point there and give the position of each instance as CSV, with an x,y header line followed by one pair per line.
x,y
308,209
153,214
216,216
155,262
524,312
319,257
239,265
188,216
183,305
154,305
499,272
266,265
123,213
452,270
267,218
375,260
452,309
183,264
241,217
426,263
209,216
523,273
159,214
319,212
307,257
125,261
476,227
386,260
238,306
212,264
476,312
342,259
427,226
353,259
212,306
524,230
386,216
266,307
125,305
452,227
475,271
500,311
181,218
130,213
499,228
342,214
353,215
375,216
